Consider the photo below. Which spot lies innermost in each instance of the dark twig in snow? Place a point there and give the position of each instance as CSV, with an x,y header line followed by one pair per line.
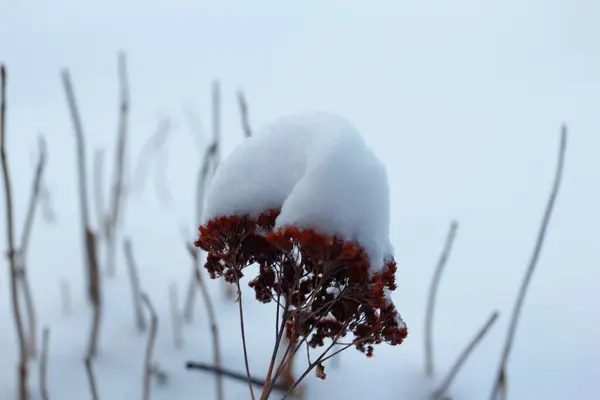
x,y
440,393
500,381
433,289
231,374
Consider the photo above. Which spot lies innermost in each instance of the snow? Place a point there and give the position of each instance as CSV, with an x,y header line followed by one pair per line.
x,y
317,169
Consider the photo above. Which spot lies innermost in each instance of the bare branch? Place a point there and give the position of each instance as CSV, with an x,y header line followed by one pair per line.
x,y
500,381
134,281
433,289
149,346
10,234
117,193
176,320
440,393
44,364
244,114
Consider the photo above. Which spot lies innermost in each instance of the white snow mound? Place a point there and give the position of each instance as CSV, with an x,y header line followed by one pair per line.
x,y
318,170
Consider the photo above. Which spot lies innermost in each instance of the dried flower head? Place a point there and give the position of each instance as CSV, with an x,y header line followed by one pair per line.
x,y
324,281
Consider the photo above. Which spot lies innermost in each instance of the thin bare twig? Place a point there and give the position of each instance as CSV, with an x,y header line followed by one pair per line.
x,y
433,289
99,193
33,199
244,114
175,316
149,347
152,145
44,364
10,234
117,193
231,374
46,203
500,381
91,377
134,281
242,331
440,393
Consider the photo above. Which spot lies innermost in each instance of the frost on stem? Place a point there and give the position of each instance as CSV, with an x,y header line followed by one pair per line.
x,y
325,280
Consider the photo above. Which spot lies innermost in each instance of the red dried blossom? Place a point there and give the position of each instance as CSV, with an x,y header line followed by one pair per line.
x,y
325,281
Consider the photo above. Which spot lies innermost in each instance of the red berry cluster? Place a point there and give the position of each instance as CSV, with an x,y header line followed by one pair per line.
x,y
323,281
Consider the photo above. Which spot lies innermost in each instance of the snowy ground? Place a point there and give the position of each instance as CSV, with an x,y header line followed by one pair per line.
x,y
462,103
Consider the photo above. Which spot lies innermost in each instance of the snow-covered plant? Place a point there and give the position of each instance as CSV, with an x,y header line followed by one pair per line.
x,y
308,203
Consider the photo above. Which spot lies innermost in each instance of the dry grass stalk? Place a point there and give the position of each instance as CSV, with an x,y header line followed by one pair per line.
x,y
148,366
140,320
81,169
92,270
10,234
499,387
433,289
25,235
117,193
44,364
440,393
